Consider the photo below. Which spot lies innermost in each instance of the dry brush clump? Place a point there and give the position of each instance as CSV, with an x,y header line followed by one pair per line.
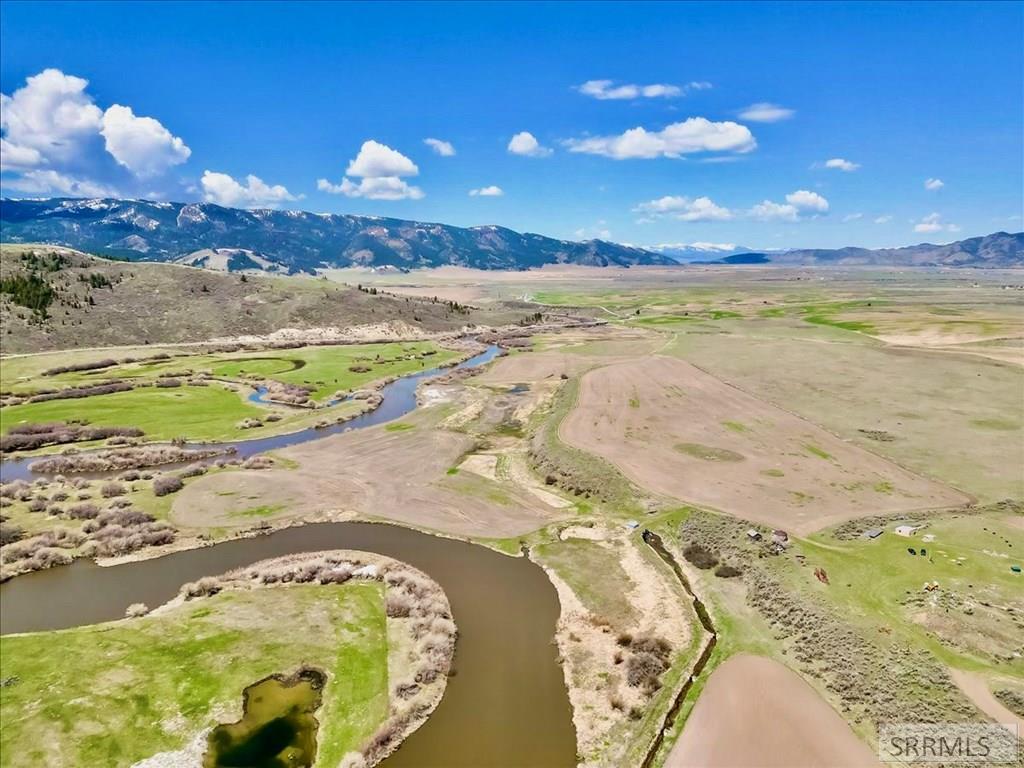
x,y
29,437
117,460
41,551
91,366
10,533
112,489
117,530
1012,700
649,657
166,485
258,462
74,393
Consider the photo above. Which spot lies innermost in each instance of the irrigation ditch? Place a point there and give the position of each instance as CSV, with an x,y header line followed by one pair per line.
x,y
655,542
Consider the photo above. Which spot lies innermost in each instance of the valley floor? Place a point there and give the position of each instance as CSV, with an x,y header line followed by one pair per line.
x,y
709,409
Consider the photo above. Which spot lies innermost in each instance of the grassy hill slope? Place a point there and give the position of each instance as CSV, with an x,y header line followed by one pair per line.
x,y
58,298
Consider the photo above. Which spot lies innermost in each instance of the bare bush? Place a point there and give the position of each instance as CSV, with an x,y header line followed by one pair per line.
x,y
72,393
193,470
136,610
167,484
727,571
700,556
10,533
399,606
112,489
258,462
122,459
206,586
126,518
92,366
168,383
339,574
37,505
84,511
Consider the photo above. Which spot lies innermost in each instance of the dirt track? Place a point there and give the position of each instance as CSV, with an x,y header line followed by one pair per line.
x,y
755,711
680,432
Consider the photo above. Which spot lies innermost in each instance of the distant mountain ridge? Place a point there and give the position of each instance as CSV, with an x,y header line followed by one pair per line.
x,y
232,239
999,250
295,240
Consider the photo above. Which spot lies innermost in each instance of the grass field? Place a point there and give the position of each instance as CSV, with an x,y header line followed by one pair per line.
x,y
971,620
328,368
115,693
214,411
200,413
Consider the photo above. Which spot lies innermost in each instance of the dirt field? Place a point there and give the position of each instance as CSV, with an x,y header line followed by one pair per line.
x,y
393,475
950,415
680,432
755,711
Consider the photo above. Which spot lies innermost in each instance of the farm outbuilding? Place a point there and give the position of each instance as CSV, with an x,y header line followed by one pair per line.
x,y
872,533
904,530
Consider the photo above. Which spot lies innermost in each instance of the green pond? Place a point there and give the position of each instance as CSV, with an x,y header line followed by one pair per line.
x,y
278,725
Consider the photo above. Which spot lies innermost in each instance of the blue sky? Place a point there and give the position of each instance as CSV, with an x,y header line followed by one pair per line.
x,y
739,109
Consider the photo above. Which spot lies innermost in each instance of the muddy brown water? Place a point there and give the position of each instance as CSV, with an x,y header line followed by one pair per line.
x,y
506,705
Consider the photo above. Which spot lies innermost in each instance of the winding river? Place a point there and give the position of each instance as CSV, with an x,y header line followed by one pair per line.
x,y
506,704
398,399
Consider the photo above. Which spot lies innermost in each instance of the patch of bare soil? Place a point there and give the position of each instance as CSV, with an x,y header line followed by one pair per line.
x,y
399,476
678,431
756,712
976,689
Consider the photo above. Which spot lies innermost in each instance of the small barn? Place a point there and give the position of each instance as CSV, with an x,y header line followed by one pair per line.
x,y
904,530
872,533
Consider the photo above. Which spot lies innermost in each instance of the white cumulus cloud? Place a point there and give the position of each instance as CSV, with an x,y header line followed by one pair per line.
x,y
525,143
376,159
222,189
696,134
441,147
373,188
379,169
840,164
797,203
853,217
766,210
883,219
50,182
608,90
934,184
933,223
141,144
491,191
765,112
17,158
807,201
53,125
685,208
51,115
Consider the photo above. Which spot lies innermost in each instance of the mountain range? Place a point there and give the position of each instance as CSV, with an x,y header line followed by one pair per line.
x,y
295,241
232,239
